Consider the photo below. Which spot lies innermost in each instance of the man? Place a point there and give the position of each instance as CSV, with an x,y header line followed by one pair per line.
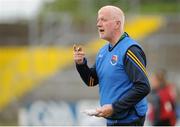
x,y
119,70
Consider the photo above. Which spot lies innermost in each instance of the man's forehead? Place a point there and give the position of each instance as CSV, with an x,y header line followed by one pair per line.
x,y
111,12
104,13
104,10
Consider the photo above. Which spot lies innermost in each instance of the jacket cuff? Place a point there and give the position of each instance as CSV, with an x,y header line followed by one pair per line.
x,y
84,63
115,108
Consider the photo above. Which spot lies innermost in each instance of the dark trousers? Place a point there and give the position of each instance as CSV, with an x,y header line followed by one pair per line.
x,y
139,122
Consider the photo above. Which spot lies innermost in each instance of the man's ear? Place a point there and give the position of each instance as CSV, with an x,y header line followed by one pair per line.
x,y
118,24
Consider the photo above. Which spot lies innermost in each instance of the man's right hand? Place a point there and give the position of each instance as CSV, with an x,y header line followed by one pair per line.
x,y
79,54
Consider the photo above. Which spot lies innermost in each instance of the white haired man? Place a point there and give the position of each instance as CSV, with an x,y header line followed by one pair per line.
x,y
119,70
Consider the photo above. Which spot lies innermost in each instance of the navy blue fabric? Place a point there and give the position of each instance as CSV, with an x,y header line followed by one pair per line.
x,y
121,82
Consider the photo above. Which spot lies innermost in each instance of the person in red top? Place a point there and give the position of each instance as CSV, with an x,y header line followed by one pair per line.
x,y
162,101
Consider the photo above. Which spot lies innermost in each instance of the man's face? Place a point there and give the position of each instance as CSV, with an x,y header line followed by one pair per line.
x,y
105,24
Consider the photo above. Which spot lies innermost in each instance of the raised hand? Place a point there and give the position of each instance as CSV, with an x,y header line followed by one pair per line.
x,y
79,54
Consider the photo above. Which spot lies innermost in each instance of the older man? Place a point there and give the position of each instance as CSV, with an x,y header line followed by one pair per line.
x,y
119,70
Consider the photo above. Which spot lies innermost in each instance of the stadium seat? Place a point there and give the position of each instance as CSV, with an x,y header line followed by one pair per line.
x,y
51,113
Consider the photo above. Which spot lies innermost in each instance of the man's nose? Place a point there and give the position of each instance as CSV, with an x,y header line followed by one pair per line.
x,y
99,24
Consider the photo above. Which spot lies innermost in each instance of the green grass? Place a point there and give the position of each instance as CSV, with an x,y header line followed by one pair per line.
x,y
80,14
164,8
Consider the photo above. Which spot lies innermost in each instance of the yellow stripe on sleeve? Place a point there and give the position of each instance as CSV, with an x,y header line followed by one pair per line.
x,y
137,61
91,82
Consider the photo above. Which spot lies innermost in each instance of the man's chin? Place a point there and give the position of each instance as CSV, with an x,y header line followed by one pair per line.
x,y
101,36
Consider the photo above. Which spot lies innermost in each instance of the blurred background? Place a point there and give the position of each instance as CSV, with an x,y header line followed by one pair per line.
x,y
39,84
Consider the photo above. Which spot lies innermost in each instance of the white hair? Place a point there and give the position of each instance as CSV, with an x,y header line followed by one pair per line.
x,y
116,14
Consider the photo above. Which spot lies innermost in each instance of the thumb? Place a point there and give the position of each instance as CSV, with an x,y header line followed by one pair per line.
x,y
98,110
79,48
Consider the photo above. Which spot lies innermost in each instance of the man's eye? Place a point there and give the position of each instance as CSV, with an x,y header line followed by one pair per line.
x,y
104,20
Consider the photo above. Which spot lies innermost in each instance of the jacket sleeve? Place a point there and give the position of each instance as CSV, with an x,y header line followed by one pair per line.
x,y
135,63
88,75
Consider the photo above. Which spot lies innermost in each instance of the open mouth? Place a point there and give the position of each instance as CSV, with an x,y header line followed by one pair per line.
x,y
101,31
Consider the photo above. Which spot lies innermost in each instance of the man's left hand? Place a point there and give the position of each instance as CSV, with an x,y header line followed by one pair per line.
x,y
105,111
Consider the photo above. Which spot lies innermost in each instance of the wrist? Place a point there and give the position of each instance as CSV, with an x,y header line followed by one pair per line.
x,y
114,107
83,62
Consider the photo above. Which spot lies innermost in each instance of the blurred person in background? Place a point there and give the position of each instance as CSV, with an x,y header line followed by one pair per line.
x,y
119,70
162,101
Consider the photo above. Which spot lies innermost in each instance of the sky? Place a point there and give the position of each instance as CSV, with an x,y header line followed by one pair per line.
x,y
11,10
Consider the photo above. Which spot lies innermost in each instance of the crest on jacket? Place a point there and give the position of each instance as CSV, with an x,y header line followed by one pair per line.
x,y
114,60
